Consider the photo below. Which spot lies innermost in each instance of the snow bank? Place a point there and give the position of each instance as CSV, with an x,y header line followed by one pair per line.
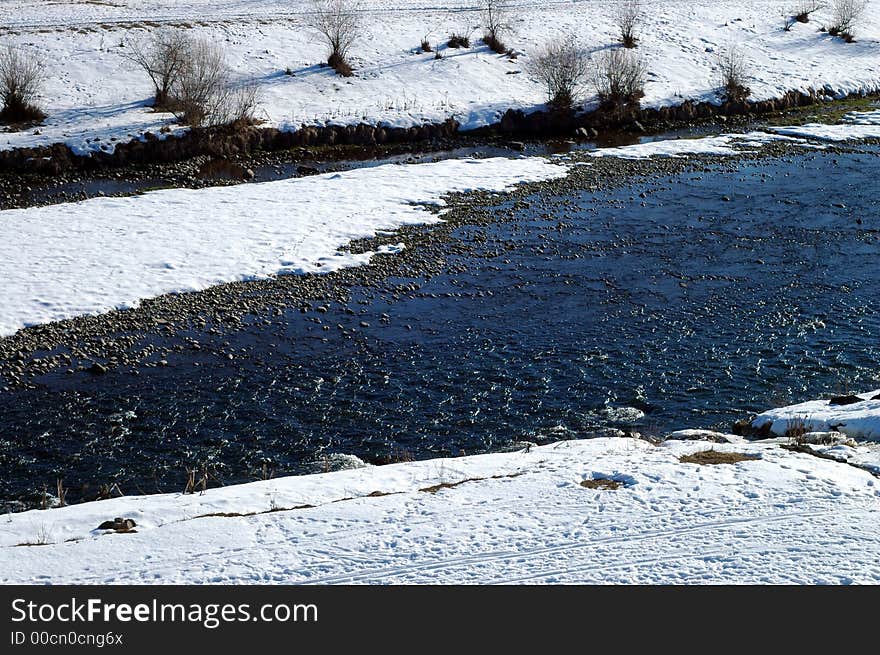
x,y
520,517
93,90
93,256
855,126
859,420
725,144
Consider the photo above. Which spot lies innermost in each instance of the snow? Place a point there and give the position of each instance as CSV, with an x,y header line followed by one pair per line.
x,y
722,145
93,90
93,256
512,518
856,125
859,420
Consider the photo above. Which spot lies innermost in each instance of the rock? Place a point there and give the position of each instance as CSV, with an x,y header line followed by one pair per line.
x,y
844,400
249,174
597,433
745,428
97,369
517,145
119,525
703,435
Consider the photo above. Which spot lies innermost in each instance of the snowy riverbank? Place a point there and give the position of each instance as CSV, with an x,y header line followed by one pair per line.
x,y
609,510
97,255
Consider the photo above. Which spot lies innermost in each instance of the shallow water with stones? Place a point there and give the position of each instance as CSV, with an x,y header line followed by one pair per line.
x,y
678,302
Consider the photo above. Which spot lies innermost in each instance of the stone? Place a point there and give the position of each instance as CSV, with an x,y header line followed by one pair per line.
x,y
844,400
119,524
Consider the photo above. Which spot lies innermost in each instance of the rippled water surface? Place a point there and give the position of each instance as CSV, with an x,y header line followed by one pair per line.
x,y
685,302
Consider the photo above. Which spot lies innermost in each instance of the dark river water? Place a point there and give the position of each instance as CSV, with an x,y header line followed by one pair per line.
x,y
683,302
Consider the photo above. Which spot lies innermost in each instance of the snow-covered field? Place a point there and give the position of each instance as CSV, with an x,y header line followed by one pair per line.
x,y
520,517
93,90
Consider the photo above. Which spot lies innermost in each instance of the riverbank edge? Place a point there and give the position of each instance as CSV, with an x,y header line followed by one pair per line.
x,y
242,140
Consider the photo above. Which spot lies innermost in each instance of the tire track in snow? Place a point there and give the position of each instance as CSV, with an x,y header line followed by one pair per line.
x,y
379,575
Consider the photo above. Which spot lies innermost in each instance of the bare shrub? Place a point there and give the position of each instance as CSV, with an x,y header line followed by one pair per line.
x,y
426,45
21,78
619,78
459,40
338,24
561,67
733,74
627,17
204,92
796,429
804,8
845,17
161,57
495,20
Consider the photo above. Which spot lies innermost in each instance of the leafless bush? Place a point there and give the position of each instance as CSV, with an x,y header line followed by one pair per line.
x,y
619,77
496,14
459,40
804,8
204,92
21,78
845,17
161,57
733,74
338,24
561,67
627,17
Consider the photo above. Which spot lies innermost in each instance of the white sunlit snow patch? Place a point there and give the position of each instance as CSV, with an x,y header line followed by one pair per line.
x,y
855,126
859,420
93,256
723,145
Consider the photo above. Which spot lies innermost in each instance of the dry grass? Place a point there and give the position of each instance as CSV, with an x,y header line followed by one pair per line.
x,y
708,457
601,483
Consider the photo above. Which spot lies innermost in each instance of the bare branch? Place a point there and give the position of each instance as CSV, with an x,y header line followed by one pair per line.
x,y
628,14
561,67
204,92
161,57
21,78
338,24
733,74
496,15
619,77
846,15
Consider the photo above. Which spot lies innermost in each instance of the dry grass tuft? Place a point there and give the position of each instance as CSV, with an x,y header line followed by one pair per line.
x,y
708,457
